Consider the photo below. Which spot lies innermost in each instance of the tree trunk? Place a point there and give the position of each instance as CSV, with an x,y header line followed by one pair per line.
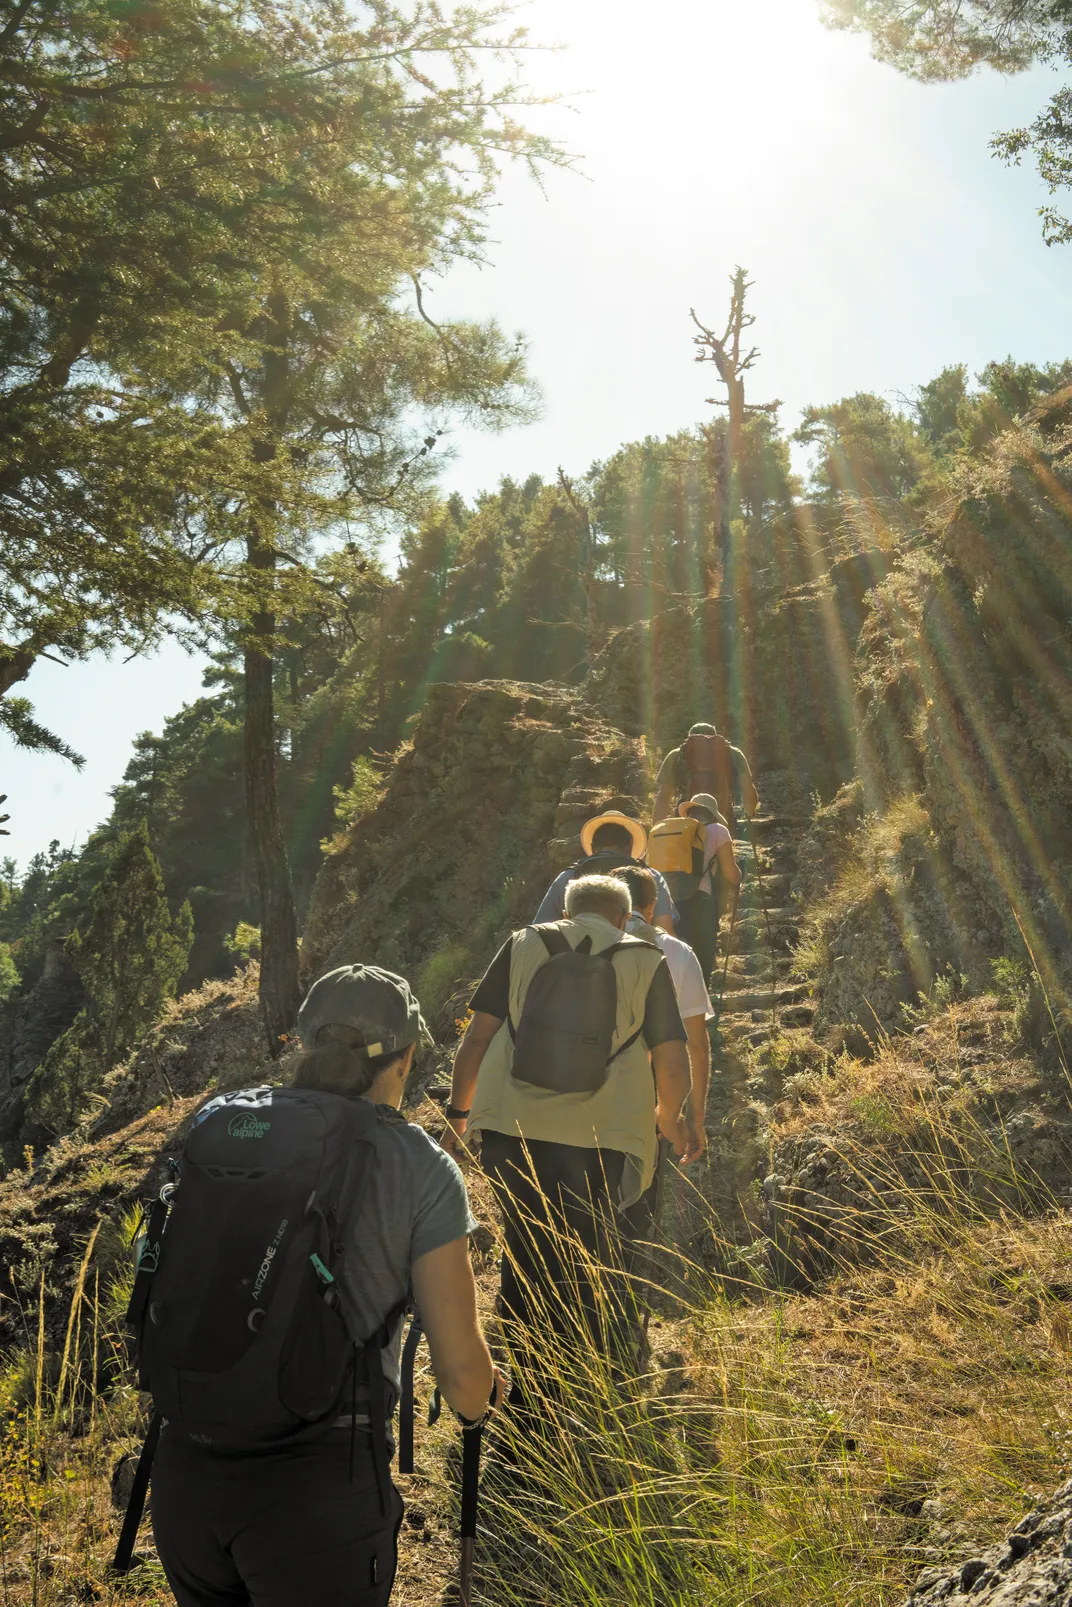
x,y
731,498
279,991
16,664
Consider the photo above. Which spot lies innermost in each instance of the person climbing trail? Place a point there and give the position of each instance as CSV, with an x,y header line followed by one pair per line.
x,y
277,1370
693,999
705,762
554,1076
609,841
713,873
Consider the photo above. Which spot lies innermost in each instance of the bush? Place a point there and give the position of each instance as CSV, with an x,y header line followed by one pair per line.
x,y
244,943
361,795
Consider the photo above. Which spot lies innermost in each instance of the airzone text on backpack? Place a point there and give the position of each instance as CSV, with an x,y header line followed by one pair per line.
x,y
243,1334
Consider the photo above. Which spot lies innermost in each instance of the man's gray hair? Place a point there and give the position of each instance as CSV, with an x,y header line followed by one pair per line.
x,y
598,895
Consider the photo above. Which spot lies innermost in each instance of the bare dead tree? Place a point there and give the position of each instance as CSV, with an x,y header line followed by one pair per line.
x,y
727,353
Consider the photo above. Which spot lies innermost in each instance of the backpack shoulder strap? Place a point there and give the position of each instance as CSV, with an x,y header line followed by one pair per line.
x,y
553,939
608,954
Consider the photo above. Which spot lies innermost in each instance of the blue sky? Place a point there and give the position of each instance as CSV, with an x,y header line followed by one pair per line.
x,y
884,240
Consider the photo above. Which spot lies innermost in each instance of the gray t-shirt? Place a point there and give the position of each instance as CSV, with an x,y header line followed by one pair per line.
x,y
416,1203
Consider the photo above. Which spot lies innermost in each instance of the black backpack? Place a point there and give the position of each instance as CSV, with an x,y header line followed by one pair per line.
x,y
243,1337
562,1042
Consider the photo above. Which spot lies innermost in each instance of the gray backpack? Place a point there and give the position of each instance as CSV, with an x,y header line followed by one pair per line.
x,y
563,1040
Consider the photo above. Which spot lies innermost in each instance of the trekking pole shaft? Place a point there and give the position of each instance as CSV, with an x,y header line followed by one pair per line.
x,y
762,882
766,914
465,1578
726,958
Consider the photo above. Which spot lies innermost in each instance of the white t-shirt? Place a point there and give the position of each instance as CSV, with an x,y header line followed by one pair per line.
x,y
714,838
693,998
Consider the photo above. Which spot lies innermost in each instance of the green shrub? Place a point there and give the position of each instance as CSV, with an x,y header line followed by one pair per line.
x,y
361,795
440,975
9,974
245,942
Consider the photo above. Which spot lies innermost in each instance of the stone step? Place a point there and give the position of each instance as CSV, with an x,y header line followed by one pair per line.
x,y
737,1003
763,825
758,957
750,918
772,890
742,981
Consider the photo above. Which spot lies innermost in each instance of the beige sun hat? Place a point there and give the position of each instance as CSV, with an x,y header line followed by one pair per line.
x,y
703,800
614,817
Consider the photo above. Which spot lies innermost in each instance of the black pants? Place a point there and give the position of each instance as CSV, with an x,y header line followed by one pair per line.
x,y
283,1530
698,927
561,1222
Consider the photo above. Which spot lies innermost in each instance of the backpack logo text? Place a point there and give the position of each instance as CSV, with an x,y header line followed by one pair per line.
x,y
247,1127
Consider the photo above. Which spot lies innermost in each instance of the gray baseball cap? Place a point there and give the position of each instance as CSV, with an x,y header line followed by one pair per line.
x,y
378,1004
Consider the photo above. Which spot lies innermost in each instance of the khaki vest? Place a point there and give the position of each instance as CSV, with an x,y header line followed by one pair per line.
x,y
621,1114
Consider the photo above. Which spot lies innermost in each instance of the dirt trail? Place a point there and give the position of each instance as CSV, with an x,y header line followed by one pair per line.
x,y
760,1000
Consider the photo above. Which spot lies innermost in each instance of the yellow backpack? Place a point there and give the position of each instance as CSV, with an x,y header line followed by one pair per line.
x,y
676,851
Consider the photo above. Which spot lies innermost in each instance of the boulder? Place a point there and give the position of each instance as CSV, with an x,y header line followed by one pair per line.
x,y
1032,1567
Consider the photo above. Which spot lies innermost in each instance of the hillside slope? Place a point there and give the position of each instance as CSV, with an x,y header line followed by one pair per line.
x,y
864,1369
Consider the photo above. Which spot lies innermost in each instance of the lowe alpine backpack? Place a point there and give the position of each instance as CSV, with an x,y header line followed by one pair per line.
x,y
707,763
563,1039
242,1333
676,851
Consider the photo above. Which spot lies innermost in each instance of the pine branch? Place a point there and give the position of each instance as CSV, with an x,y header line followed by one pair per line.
x,y
16,718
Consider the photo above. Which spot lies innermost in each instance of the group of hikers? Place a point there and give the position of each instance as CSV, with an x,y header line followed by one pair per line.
x,y
304,1222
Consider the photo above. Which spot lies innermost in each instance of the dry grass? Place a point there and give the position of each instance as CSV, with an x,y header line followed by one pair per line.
x,y
810,1449
872,861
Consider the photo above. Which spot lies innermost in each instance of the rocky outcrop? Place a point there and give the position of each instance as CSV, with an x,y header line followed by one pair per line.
x,y
962,699
1032,1567
772,668
482,808
209,1039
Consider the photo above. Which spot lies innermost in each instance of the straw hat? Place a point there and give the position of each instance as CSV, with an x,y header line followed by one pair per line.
x,y
703,800
614,817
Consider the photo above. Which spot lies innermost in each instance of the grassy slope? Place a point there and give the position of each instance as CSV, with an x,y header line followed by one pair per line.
x,y
816,1447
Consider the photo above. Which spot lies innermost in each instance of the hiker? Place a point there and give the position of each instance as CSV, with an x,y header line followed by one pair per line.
x,y
554,1076
699,898
609,841
693,999
705,762
296,1506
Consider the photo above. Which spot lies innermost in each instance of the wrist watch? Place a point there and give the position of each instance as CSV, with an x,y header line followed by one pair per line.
x,y
453,1114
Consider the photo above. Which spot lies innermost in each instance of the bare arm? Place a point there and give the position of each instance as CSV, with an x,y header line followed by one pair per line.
x,y
728,865
666,922
670,1061
664,802
699,1052
471,1051
445,1291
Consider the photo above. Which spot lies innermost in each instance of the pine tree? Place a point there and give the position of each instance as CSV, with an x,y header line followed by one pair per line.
x,y
130,952
940,40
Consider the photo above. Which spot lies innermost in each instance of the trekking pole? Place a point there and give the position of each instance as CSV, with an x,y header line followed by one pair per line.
x,y
471,1443
766,912
726,960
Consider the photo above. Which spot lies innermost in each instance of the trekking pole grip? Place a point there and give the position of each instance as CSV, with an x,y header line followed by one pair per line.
x,y
472,1439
